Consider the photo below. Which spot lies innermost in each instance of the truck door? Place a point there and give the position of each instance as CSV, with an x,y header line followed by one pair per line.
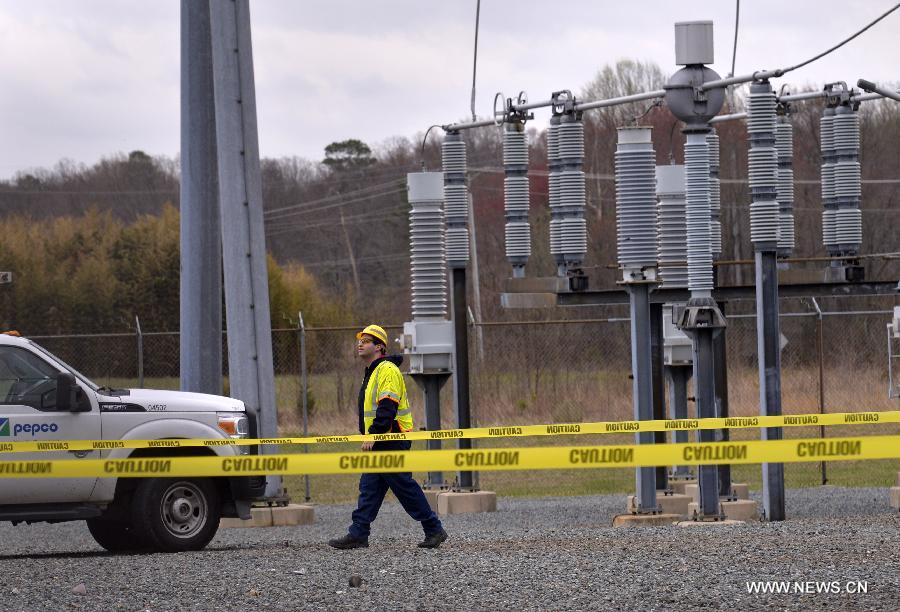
x,y
28,414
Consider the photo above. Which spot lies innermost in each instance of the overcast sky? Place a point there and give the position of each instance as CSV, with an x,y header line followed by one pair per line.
x,y
87,79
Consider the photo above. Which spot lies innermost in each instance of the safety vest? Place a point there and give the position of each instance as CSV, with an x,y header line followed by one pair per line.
x,y
387,381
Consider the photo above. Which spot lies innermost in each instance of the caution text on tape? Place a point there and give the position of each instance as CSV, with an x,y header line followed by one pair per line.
x,y
515,431
540,458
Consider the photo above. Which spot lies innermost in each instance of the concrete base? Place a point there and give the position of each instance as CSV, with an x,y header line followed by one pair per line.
x,y
432,496
668,504
463,502
275,516
740,490
724,523
678,486
895,498
646,520
740,510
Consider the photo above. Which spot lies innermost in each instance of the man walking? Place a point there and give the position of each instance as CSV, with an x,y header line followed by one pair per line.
x,y
384,408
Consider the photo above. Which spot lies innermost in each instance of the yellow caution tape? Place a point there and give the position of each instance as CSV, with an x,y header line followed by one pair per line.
x,y
542,458
516,431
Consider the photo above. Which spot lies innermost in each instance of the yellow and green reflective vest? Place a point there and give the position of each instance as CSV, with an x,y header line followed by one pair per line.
x,y
386,381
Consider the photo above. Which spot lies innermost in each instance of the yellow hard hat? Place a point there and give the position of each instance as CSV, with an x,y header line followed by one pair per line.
x,y
375,331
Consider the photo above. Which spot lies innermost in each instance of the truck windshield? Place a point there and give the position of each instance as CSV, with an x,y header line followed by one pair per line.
x,y
65,365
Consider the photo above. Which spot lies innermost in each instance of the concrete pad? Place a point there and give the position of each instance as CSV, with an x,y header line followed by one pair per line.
x,y
277,516
668,504
895,498
261,517
724,523
678,486
293,514
463,502
432,496
692,490
741,491
646,520
740,510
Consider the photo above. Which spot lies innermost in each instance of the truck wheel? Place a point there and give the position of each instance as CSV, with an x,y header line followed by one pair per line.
x,y
174,515
114,536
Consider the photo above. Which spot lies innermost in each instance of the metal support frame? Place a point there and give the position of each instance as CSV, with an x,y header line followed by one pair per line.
x,y
200,339
465,480
702,321
678,377
140,350
658,385
720,356
642,389
768,337
250,368
431,385
304,392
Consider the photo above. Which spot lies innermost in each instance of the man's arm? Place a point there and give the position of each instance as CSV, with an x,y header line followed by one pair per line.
x,y
384,416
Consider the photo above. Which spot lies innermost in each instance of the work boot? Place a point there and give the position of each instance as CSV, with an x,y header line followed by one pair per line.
x,y
434,540
348,542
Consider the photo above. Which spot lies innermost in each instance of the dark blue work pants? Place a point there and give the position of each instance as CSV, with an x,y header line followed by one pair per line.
x,y
373,488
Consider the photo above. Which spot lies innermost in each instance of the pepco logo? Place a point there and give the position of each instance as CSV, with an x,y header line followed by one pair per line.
x,y
4,427
34,428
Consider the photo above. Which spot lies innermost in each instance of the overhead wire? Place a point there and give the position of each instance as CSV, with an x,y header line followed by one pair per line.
x,y
475,56
843,42
737,21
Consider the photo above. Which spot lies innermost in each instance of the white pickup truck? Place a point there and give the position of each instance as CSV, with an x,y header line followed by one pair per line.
x,y
42,398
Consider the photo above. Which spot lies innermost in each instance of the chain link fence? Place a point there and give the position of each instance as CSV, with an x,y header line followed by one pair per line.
x,y
549,372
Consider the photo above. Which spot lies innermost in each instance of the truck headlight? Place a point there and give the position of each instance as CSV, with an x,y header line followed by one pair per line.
x,y
235,426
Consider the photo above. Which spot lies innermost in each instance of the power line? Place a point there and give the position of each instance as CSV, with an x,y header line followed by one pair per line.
x,y
737,20
331,198
353,220
843,42
336,205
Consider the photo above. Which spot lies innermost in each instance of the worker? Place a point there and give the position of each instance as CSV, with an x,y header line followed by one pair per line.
x,y
384,408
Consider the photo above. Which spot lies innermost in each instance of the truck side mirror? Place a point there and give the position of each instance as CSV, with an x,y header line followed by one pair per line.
x,y
65,392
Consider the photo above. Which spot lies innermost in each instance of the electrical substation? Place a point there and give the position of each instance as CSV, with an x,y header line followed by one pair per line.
x,y
669,235
669,238
644,374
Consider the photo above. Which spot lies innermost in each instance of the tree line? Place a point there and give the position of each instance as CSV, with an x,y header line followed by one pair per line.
x,y
90,246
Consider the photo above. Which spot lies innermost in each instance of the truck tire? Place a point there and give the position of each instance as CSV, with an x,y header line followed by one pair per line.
x,y
115,536
176,514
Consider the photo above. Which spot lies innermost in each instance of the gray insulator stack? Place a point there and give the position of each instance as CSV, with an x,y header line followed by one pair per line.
x,y
426,245
826,138
672,226
699,246
763,162
572,226
553,189
456,199
784,146
636,214
715,195
847,181
515,196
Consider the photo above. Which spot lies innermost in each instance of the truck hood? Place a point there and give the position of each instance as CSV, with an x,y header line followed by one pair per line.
x,y
152,400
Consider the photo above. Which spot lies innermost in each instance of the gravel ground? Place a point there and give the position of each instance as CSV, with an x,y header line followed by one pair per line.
x,y
532,554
